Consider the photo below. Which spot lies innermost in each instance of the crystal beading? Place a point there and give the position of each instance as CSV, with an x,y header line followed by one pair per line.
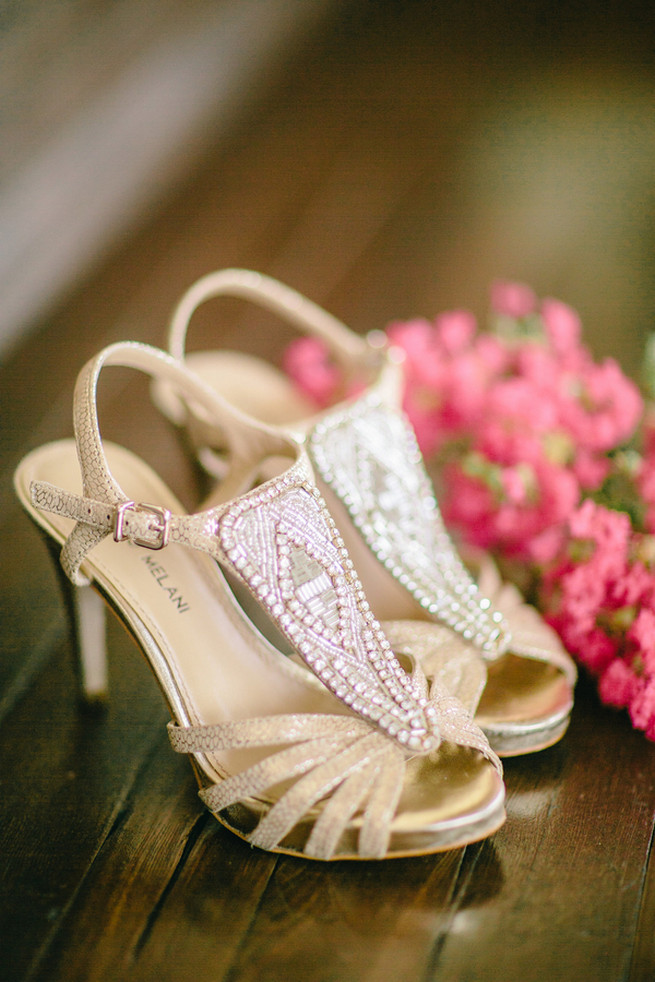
x,y
368,455
285,546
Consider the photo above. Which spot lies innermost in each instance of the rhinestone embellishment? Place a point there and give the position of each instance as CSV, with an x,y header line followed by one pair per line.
x,y
368,454
282,542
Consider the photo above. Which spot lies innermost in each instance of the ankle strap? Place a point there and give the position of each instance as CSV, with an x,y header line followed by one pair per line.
x,y
143,524
104,508
275,296
245,440
146,525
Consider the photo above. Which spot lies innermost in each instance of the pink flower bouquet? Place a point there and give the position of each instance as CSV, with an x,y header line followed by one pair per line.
x,y
545,458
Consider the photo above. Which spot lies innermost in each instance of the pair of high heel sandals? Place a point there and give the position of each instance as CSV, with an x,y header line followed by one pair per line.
x,y
342,685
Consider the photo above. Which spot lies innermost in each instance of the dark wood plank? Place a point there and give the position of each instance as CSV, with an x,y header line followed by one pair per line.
x,y
572,859
169,891
642,965
359,921
66,780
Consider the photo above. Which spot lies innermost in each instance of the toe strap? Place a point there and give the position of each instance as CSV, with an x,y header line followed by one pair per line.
x,y
334,756
337,759
319,782
531,636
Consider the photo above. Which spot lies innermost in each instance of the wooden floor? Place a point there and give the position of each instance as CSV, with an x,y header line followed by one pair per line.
x,y
410,155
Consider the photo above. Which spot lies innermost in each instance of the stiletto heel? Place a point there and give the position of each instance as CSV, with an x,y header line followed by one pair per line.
x,y
369,469
91,644
86,616
352,759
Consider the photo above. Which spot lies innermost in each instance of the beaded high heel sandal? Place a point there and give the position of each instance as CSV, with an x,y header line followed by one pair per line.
x,y
353,759
370,470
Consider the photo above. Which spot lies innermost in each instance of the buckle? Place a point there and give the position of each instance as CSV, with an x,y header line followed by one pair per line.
x,y
162,528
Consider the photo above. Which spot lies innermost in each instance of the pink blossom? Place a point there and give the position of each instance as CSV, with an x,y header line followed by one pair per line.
x,y
573,595
514,300
508,442
642,634
493,354
633,588
416,338
590,469
425,417
607,529
514,486
646,478
306,362
544,547
642,708
536,364
476,506
455,329
618,685
523,426
607,409
424,365
469,505
464,394
594,648
517,400
562,325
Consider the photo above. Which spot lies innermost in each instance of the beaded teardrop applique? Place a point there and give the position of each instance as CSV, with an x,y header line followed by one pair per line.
x,y
368,454
282,542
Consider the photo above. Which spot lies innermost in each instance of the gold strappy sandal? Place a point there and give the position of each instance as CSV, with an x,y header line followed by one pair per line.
x,y
354,759
372,476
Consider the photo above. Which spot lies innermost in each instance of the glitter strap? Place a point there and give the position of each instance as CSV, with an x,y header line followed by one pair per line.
x,y
531,636
336,758
270,293
322,755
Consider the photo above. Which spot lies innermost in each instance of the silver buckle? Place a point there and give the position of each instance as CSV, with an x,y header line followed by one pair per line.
x,y
162,528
